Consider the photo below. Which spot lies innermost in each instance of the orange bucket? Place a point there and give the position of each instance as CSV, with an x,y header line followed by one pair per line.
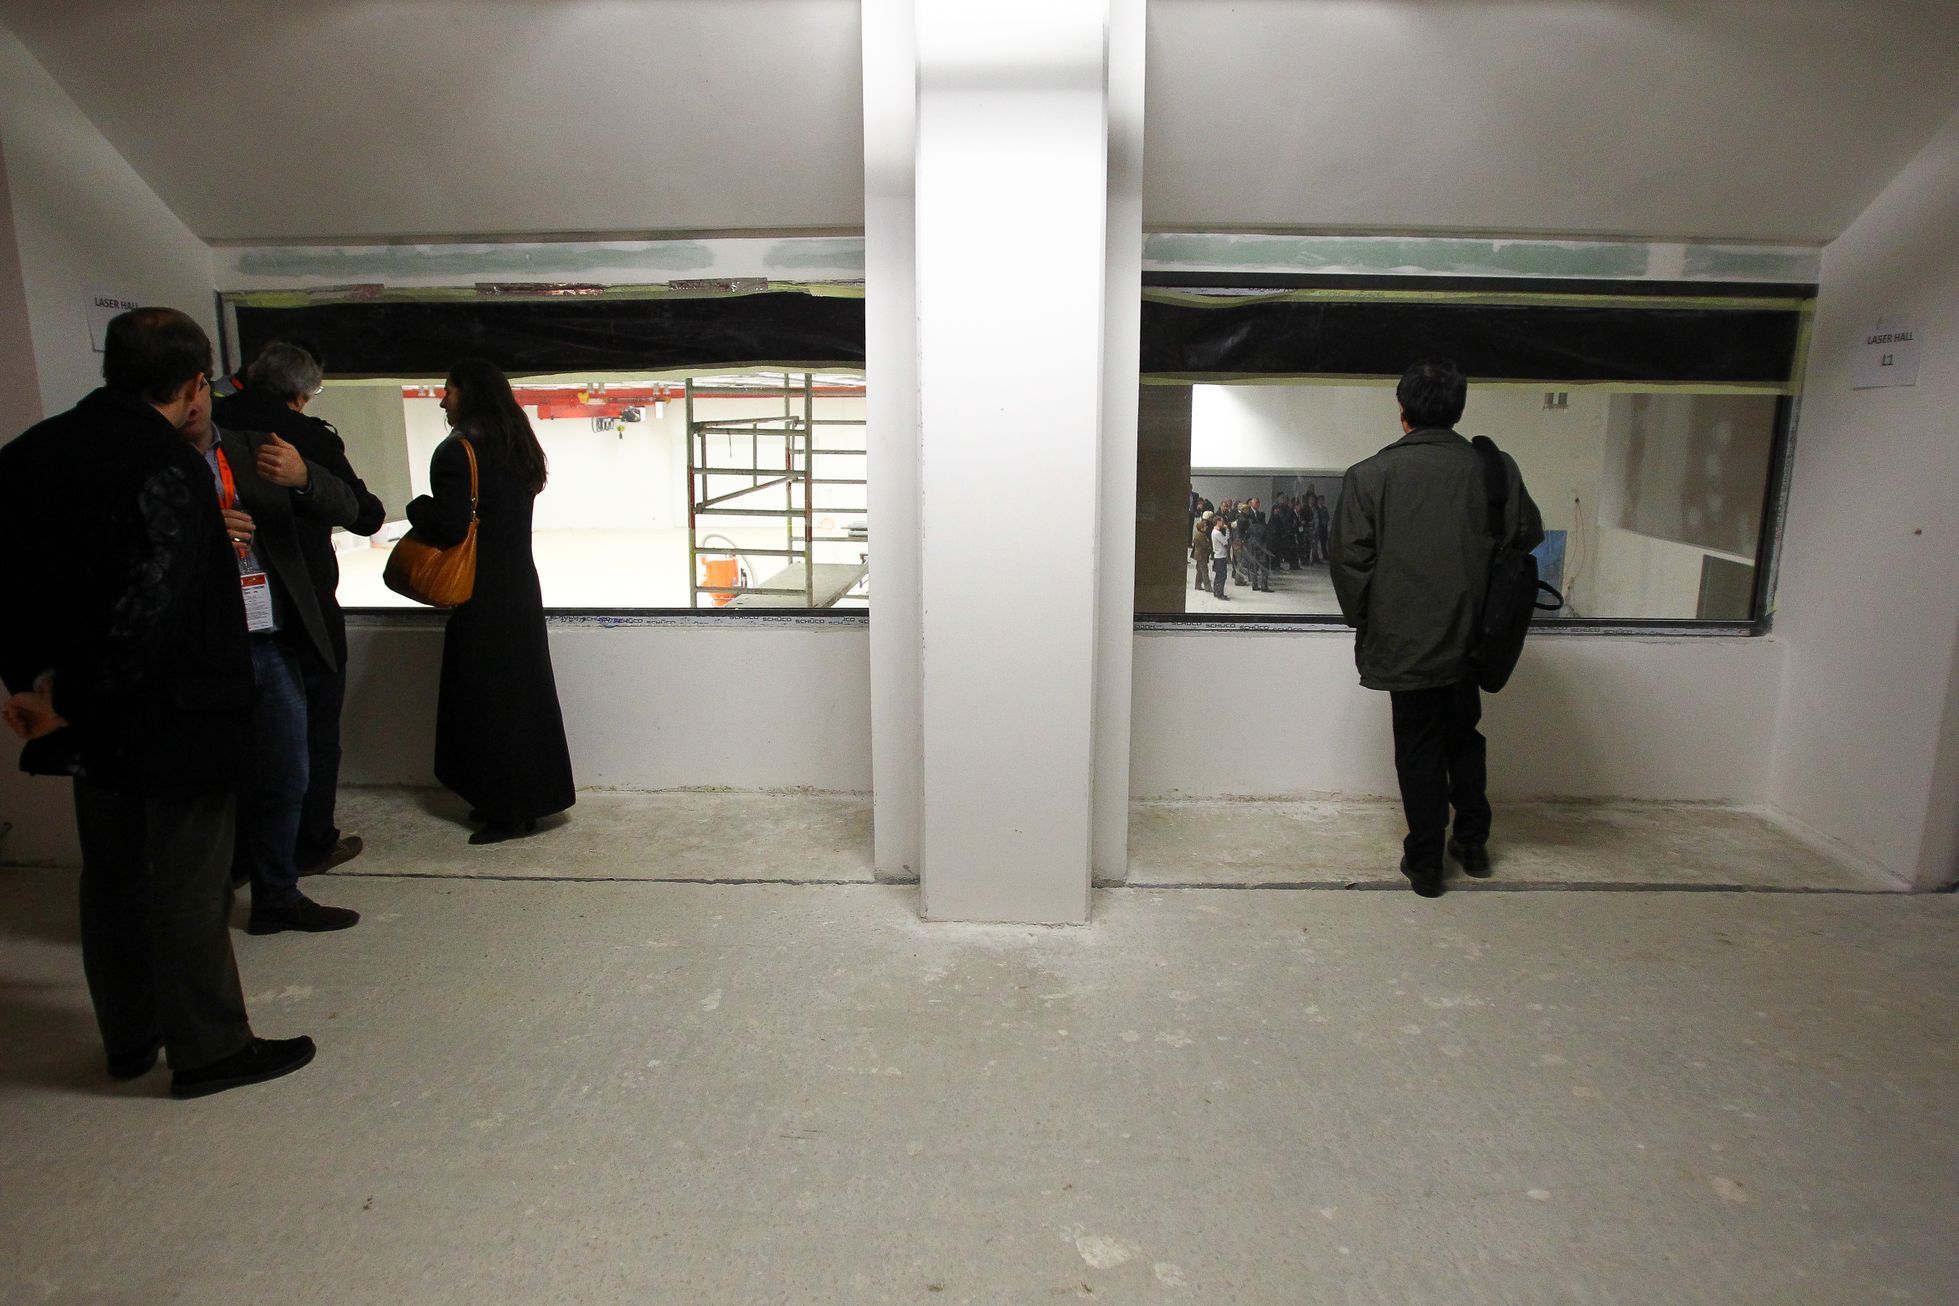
x,y
724,572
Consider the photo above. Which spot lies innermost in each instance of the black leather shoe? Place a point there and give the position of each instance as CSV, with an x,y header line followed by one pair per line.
x,y
498,831
259,1060
130,1065
344,849
299,914
1426,882
1473,857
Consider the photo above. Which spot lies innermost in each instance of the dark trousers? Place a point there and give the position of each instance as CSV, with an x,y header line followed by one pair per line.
x,y
156,944
326,691
1439,758
1218,566
269,802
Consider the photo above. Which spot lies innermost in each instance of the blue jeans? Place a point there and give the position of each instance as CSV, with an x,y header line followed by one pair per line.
x,y
269,803
325,692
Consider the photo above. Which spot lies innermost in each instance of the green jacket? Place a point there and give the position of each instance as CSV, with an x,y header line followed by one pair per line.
x,y
1411,557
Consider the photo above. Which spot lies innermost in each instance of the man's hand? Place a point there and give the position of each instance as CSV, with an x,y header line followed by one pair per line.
x,y
32,715
238,525
280,463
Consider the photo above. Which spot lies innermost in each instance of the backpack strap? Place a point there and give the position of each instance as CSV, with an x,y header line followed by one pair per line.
x,y
1496,488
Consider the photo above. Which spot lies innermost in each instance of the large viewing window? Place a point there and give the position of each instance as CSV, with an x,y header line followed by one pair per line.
x,y
711,476
1648,427
755,483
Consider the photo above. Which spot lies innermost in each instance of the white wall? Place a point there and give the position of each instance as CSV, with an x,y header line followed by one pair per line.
x,y
84,222
1868,600
1283,715
889,29
747,706
752,706
369,419
1013,159
1644,575
20,385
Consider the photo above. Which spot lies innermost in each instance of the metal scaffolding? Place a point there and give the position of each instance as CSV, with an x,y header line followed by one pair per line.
x,y
718,500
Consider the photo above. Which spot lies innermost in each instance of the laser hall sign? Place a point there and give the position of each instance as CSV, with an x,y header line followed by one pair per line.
x,y
103,306
1886,355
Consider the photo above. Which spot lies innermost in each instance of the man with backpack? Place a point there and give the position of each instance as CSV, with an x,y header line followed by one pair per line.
x,y
1410,558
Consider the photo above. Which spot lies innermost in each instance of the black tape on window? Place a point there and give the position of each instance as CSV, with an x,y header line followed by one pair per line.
x,y
1488,342
411,338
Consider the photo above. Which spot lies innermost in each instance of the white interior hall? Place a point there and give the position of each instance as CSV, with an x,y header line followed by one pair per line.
x,y
879,349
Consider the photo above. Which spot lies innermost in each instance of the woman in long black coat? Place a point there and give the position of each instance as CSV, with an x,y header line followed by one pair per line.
x,y
499,735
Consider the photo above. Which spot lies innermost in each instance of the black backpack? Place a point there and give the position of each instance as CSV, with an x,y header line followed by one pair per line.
x,y
1511,596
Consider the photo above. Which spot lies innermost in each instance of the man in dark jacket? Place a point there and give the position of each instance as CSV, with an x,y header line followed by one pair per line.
x,y
265,490
1410,558
124,632
280,383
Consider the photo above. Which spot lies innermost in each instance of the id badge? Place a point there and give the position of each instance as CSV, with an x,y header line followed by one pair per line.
x,y
258,600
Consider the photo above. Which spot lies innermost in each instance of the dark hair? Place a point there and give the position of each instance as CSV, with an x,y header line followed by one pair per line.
x,y
149,353
487,411
1432,394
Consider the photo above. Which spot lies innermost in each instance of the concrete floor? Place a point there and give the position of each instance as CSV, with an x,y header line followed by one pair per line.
x,y
1534,844
541,1091
674,835
1293,592
815,837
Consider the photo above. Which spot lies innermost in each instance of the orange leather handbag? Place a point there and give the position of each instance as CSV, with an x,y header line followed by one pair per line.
x,y
441,578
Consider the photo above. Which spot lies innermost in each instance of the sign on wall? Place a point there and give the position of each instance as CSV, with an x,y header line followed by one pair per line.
x,y
102,307
1887,355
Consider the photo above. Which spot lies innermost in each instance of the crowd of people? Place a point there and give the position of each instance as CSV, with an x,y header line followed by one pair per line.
x,y
176,650
1244,541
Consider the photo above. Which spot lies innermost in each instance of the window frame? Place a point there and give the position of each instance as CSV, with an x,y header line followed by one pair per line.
x,y
1777,482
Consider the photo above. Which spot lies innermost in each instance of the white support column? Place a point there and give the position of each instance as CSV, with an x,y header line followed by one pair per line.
x,y
891,411
1012,194
1121,370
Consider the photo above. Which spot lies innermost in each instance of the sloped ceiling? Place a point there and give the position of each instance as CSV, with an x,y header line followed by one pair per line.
x,y
1754,119
336,119
330,120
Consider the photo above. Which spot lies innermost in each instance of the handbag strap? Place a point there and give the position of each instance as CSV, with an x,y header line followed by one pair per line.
x,y
470,449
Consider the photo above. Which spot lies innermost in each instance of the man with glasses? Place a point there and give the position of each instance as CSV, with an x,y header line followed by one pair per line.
x,y
124,645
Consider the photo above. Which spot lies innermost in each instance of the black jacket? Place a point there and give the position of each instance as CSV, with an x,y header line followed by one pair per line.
x,y
254,410
278,516
1411,557
120,581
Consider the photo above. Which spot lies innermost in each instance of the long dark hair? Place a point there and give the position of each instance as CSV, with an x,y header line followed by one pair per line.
x,y
487,411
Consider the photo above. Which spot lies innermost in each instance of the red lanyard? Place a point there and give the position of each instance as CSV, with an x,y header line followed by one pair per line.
x,y
230,495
